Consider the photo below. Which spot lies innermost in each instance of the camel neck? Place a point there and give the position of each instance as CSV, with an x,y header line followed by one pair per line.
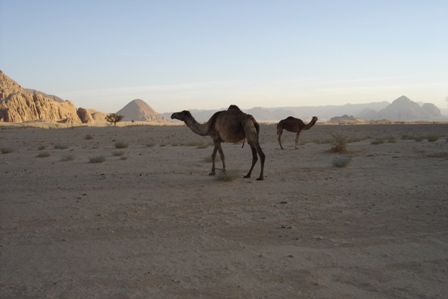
x,y
200,129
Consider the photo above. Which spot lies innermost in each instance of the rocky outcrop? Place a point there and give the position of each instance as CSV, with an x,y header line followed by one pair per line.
x,y
139,110
16,105
404,109
85,116
97,115
346,119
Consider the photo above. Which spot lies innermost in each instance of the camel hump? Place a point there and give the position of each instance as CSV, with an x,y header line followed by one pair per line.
x,y
290,117
234,109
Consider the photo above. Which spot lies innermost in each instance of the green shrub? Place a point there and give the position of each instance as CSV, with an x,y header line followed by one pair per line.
x,y
117,153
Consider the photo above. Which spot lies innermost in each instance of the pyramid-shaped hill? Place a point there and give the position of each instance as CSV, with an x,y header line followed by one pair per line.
x,y
404,109
139,110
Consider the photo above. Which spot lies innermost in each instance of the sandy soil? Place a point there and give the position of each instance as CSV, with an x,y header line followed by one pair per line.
x,y
151,223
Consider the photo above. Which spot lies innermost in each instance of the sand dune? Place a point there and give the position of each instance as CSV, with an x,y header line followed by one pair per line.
x,y
151,223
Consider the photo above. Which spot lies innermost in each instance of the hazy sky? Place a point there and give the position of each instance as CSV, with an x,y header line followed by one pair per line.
x,y
209,54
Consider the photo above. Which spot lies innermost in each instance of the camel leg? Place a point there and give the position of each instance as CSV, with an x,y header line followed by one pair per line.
x,y
254,160
221,154
262,157
297,139
213,161
280,138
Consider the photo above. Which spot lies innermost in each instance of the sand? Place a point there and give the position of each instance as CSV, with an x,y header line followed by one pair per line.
x,y
152,223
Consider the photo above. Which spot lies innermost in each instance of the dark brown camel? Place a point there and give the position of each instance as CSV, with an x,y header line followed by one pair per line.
x,y
294,125
230,125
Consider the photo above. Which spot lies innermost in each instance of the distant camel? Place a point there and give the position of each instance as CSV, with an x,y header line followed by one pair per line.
x,y
294,125
230,125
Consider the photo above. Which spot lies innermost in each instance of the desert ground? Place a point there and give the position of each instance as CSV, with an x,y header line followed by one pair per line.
x,y
149,222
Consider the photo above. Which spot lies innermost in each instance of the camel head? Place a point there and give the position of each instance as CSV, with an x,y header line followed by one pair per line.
x,y
315,118
181,115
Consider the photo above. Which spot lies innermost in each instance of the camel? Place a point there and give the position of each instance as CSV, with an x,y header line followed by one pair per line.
x,y
294,125
230,125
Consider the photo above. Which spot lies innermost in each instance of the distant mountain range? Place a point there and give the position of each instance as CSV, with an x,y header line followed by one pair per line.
x,y
402,109
19,104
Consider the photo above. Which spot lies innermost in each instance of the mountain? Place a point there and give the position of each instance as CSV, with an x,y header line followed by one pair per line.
x,y
18,105
406,110
402,109
139,110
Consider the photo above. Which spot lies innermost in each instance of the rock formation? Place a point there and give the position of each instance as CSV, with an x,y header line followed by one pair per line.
x,y
139,110
346,119
85,116
17,105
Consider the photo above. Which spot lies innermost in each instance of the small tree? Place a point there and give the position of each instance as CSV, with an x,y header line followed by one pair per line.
x,y
113,118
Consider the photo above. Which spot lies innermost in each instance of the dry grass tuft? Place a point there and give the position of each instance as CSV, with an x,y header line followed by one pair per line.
x,y
97,159
121,144
228,175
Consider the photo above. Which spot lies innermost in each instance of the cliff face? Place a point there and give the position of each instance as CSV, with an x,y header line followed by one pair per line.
x,y
17,105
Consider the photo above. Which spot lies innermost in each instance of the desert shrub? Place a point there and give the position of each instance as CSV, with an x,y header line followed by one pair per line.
x,y
391,139
60,146
419,138
121,144
407,137
6,150
88,136
123,158
42,147
68,158
113,118
338,140
377,140
432,138
150,144
43,155
117,153
228,175
97,159
341,161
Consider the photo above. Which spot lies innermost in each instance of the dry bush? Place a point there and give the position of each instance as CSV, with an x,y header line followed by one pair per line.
x,y
97,159
60,146
121,144
6,150
339,141
68,158
228,175
43,155
88,136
